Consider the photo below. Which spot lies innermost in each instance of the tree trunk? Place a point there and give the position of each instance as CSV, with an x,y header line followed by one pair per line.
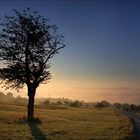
x,y
31,95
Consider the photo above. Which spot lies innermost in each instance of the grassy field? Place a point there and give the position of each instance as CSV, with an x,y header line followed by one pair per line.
x,y
63,124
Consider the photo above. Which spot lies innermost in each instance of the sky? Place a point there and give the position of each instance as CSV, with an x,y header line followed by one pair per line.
x,y
102,56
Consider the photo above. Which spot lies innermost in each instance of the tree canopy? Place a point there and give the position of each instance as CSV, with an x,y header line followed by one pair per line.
x,y
27,43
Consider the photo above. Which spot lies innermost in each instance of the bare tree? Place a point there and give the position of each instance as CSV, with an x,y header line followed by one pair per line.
x,y
27,43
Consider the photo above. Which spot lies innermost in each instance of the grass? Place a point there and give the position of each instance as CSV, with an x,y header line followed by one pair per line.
x,y
64,124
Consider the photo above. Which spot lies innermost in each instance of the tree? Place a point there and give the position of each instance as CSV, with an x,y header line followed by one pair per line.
x,y
27,43
126,107
118,105
76,103
102,104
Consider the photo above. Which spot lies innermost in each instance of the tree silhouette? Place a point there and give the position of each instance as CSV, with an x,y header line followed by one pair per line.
x,y
27,43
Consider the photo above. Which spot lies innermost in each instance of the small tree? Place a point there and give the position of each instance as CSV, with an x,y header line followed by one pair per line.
x,y
118,106
27,43
102,104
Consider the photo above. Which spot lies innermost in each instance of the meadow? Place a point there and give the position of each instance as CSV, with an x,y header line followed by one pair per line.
x,y
63,124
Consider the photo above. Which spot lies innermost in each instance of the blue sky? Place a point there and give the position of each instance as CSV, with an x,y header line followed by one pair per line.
x,y
103,40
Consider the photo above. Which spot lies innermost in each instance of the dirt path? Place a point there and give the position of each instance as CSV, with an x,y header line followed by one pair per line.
x,y
135,119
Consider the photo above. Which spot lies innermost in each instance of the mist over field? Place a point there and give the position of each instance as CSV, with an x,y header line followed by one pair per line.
x,y
112,95
121,98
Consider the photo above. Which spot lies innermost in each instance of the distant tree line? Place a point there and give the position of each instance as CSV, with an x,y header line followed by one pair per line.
x,y
74,103
63,102
127,107
100,105
10,99
118,106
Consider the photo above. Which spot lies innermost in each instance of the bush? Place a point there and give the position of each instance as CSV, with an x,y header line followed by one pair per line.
x,y
102,104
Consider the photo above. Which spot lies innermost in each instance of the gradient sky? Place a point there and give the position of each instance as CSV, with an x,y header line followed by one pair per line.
x,y
102,58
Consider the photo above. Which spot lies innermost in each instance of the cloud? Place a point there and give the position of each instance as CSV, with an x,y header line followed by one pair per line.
x,y
104,88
